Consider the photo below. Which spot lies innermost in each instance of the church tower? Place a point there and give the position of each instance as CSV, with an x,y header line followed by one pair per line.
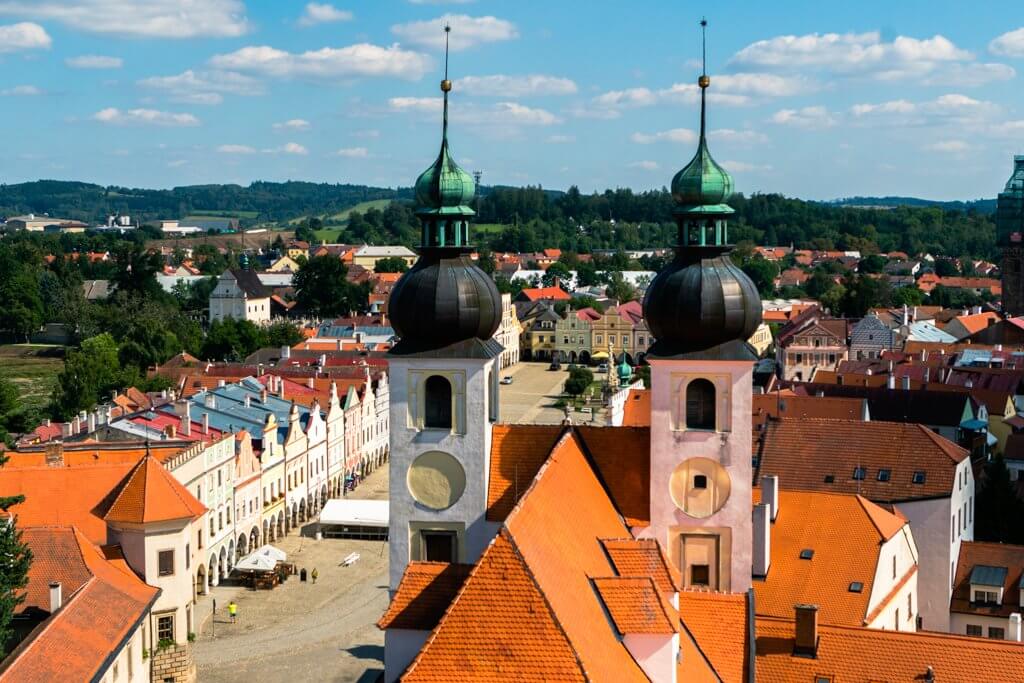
x,y
1009,232
701,309
444,378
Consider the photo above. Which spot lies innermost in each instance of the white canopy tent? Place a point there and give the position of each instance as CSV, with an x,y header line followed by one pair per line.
x,y
262,560
359,518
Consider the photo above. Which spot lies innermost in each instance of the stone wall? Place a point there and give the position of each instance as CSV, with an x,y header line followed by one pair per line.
x,y
175,664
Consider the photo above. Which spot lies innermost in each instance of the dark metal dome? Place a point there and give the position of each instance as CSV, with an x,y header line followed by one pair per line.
x,y
444,299
700,300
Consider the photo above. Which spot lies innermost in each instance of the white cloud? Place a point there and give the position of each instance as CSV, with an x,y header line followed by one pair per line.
x,y
1007,129
205,87
807,117
951,146
21,91
737,137
682,135
970,75
630,97
645,165
322,13
353,152
863,55
152,117
24,36
293,148
94,62
354,61
292,124
952,107
516,86
500,113
151,18
891,107
560,139
466,31
745,167
1010,44
236,149
761,84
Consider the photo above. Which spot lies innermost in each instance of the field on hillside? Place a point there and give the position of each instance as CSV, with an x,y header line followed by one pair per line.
x,y
33,368
233,240
340,218
203,213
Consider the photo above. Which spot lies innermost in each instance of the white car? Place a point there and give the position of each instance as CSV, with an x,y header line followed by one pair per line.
x,y
507,379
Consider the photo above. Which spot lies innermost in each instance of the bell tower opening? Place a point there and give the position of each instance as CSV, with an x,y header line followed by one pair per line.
x,y
437,413
700,404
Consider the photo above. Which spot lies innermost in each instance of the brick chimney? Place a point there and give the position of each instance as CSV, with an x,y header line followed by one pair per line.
x,y
805,643
55,454
171,431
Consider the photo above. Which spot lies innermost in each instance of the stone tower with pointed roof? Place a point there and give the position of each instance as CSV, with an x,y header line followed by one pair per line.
x,y
1010,236
701,309
443,378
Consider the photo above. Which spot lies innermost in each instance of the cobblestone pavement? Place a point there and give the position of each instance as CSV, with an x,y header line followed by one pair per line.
x,y
300,631
534,390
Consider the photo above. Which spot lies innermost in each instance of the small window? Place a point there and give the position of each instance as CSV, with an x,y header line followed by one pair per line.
x,y
974,630
830,478
439,546
700,404
165,627
996,633
884,474
700,575
856,586
700,481
806,554
438,403
165,560
859,473
919,477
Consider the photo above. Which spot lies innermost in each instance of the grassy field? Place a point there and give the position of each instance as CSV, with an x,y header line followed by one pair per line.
x,y
487,229
223,214
341,217
33,368
232,240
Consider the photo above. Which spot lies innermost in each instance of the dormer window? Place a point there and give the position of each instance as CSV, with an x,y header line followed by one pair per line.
x,y
859,473
987,584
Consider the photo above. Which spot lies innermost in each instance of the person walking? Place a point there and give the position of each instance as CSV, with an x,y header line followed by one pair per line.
x,y
315,574
233,611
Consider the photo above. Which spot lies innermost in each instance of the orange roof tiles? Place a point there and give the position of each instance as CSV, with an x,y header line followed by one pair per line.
x,y
622,457
803,452
718,623
426,590
150,494
498,628
517,452
637,410
642,557
636,606
545,294
864,655
978,321
97,616
790,405
843,531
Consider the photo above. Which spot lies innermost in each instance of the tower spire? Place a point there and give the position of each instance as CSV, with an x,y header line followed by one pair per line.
x,y
446,87
704,81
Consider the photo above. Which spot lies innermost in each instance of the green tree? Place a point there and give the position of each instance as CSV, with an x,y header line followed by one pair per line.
x,y
907,296
136,270
945,268
872,264
390,264
619,289
281,333
586,274
559,271
579,379
322,289
643,373
232,340
90,374
582,301
763,273
15,560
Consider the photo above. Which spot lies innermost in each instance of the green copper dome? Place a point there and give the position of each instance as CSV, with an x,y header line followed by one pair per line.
x,y
703,183
625,370
445,187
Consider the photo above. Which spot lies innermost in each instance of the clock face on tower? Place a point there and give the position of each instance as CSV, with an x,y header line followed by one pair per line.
x,y
699,487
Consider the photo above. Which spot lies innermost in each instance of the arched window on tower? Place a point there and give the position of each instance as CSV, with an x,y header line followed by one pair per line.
x,y
700,404
437,395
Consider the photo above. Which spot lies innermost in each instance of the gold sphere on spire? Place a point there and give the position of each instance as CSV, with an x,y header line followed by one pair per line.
x,y
446,85
704,81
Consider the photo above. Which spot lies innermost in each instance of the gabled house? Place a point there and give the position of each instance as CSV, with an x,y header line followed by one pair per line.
x,y
239,294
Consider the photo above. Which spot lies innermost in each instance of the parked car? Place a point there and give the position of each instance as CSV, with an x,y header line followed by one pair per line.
x,y
555,365
603,367
507,379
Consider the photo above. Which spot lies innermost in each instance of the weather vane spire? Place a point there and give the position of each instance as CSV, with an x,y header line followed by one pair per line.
x,y
704,80
446,85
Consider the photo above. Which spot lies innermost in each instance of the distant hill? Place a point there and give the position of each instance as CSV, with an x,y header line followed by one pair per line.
x,y
982,205
259,202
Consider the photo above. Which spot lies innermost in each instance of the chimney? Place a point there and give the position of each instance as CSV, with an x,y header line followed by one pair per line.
x,y
210,400
1014,632
770,494
75,425
905,382
248,401
762,539
206,423
183,408
55,454
186,426
55,596
263,395
865,413
310,383
891,380
340,345
322,360
929,674
280,387
171,431
999,347
913,318
286,352
220,383
806,631
90,423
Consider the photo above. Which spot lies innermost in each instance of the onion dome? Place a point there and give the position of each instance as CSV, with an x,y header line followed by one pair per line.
x,y
444,299
702,301
625,371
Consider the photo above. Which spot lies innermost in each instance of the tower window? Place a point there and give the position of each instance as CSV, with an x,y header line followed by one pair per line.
x,y
438,403
439,546
700,404
700,575
700,481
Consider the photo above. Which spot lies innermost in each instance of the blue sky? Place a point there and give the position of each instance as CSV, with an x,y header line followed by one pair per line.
x,y
812,99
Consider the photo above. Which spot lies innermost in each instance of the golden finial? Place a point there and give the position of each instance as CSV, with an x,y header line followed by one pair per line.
x,y
704,80
446,85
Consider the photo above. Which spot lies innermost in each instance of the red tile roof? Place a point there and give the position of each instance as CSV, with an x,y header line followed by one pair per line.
x,y
803,452
974,553
718,622
151,494
426,590
637,410
642,557
636,606
864,655
104,603
517,452
545,294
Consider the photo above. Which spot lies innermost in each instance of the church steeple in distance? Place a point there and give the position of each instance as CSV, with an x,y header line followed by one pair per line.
x,y
445,298
702,300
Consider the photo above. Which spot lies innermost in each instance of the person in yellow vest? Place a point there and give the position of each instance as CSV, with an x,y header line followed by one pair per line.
x,y
233,611
315,574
